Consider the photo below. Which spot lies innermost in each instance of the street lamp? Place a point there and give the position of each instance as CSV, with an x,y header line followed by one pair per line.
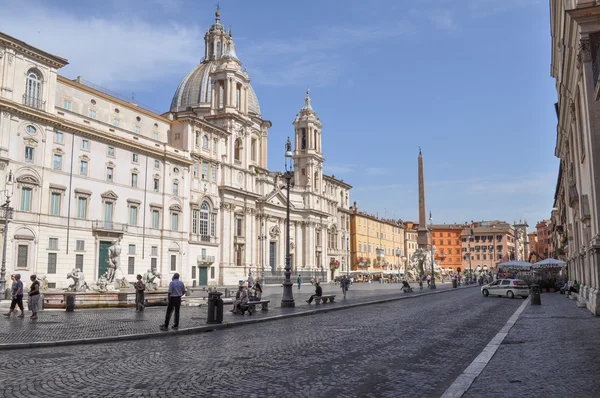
x,y
491,251
432,283
10,179
261,238
348,254
470,268
288,297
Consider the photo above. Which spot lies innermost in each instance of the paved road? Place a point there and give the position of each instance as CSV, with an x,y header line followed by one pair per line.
x,y
53,325
410,348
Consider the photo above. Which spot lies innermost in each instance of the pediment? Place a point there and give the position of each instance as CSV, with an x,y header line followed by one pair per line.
x,y
278,198
28,179
30,141
109,195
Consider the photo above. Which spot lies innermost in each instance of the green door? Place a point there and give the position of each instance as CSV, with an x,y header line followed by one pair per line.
x,y
203,276
103,256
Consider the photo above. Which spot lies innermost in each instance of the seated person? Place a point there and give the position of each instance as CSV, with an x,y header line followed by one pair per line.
x,y
318,292
241,297
405,285
574,288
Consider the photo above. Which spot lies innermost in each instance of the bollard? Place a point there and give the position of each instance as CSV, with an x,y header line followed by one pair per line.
x,y
8,294
215,308
534,291
454,283
70,302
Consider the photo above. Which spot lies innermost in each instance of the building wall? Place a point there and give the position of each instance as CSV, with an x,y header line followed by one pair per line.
x,y
498,234
447,240
574,31
543,233
377,244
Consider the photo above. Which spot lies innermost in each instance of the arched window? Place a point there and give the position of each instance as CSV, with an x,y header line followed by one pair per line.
x,y
197,142
205,141
237,146
204,219
33,89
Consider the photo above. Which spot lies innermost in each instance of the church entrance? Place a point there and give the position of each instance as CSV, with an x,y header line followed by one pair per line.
x,y
203,276
272,249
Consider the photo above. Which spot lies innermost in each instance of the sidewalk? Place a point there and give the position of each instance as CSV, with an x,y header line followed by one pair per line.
x,y
87,326
552,351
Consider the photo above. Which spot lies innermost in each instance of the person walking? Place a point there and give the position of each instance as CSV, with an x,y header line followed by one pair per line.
x,y
318,292
428,280
258,288
299,281
17,296
420,283
250,280
345,283
176,291
34,296
140,287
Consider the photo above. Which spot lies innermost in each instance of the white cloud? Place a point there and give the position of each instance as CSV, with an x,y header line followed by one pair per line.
x,y
373,171
338,168
106,50
317,60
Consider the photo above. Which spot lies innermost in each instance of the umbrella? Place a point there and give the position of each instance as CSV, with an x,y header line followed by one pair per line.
x,y
550,263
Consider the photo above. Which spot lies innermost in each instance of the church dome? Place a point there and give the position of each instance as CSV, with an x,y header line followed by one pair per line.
x,y
195,90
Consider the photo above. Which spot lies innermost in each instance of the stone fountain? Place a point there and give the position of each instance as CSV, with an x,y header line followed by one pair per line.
x,y
112,289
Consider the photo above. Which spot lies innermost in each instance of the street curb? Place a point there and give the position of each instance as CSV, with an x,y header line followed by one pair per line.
x,y
211,327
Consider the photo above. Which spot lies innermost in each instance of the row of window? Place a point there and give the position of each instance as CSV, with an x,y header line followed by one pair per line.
x,y
388,251
485,257
448,242
483,238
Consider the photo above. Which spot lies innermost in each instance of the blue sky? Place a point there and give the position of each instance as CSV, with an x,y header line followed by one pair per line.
x,y
467,80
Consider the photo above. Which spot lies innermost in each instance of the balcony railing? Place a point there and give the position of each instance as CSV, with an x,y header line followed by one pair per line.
x,y
33,102
108,226
207,238
205,260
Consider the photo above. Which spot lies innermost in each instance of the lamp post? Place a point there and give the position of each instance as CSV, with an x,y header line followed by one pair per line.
x,y
470,268
432,284
491,251
261,238
348,254
7,212
288,297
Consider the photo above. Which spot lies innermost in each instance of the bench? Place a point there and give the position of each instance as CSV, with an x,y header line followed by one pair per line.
x,y
330,297
264,304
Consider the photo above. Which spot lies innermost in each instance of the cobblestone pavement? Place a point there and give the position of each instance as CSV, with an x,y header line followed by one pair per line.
x,y
411,348
552,351
53,325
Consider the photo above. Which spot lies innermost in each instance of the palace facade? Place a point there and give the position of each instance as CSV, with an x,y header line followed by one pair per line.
x,y
186,191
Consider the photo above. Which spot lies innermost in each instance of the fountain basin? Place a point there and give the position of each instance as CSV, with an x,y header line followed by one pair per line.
x,y
117,299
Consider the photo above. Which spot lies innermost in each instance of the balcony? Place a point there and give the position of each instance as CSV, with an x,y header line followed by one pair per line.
x,y
239,240
108,226
33,102
205,260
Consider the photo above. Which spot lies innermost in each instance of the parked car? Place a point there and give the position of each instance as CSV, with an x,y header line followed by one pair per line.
x,y
506,288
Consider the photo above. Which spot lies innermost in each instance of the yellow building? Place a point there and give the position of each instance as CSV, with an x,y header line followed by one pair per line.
x,y
375,244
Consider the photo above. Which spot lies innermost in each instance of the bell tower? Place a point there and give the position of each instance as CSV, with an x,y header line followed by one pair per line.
x,y
308,154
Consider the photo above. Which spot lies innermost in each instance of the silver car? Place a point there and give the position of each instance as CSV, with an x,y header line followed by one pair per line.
x,y
506,288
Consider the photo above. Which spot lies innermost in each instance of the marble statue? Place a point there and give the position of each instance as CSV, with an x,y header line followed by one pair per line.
x,y
79,284
149,278
114,275
419,266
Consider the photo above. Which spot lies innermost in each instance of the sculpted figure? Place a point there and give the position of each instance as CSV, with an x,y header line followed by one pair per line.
x,y
149,280
79,284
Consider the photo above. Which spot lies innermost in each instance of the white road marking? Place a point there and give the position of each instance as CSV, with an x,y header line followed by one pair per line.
x,y
464,381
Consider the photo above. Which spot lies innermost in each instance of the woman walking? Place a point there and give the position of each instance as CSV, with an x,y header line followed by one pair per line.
x,y
34,295
140,287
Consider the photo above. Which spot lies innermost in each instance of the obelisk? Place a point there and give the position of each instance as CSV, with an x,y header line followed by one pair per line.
x,y
422,232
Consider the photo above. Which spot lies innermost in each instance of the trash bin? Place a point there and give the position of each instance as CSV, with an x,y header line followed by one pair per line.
x,y
70,302
215,308
454,283
534,291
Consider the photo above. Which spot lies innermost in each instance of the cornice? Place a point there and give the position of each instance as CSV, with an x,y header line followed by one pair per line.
x,y
200,122
100,94
22,47
66,125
